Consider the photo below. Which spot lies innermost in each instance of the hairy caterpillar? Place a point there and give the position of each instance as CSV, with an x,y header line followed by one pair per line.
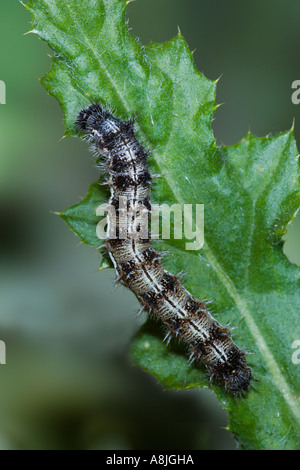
x,y
139,266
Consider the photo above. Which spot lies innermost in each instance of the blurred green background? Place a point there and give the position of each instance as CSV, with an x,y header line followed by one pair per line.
x,y
67,383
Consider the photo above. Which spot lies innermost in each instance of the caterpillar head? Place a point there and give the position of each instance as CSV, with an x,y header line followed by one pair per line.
x,y
100,126
235,375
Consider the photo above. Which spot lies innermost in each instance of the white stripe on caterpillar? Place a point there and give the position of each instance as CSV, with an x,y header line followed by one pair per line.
x,y
139,266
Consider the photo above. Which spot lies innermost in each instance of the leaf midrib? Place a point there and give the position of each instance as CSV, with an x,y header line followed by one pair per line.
x,y
97,57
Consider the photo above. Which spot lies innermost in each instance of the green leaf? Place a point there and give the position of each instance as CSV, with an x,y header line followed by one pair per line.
x,y
82,218
250,192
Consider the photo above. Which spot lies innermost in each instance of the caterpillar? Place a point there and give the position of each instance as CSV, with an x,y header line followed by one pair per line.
x,y
139,266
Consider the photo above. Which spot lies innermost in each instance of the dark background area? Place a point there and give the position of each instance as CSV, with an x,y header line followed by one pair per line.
x,y
67,382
